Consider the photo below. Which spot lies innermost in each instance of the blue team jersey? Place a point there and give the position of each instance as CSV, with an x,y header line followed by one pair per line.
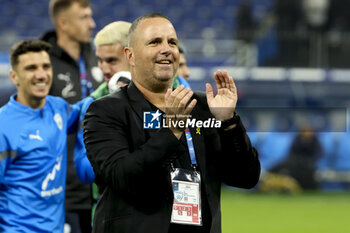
x,y
33,165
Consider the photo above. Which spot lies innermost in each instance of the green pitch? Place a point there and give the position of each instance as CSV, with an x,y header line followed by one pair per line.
x,y
252,212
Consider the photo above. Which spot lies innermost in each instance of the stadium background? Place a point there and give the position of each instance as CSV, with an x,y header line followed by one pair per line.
x,y
290,63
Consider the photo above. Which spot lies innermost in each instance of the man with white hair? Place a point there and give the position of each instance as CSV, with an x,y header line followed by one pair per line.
x,y
110,43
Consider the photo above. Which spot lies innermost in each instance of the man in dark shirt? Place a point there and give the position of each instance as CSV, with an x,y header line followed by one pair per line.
x,y
75,76
162,176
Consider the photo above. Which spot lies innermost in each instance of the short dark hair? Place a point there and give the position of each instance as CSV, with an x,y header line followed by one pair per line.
x,y
57,6
137,21
25,46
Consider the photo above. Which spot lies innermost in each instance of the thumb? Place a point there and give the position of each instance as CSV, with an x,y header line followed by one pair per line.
x,y
209,92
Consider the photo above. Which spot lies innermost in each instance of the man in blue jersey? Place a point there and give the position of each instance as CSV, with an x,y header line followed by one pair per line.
x,y
33,154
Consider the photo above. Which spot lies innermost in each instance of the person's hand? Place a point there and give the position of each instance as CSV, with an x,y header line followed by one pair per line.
x,y
177,108
223,105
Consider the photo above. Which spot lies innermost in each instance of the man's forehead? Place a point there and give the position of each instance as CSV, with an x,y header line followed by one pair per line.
x,y
34,58
152,25
109,50
109,47
77,9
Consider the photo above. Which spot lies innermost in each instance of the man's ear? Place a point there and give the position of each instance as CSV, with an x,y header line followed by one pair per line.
x,y
14,77
61,22
129,54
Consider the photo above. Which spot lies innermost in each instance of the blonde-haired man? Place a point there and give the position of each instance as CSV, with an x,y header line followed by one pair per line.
x,y
110,43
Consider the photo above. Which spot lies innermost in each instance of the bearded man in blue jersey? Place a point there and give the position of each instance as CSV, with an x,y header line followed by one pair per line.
x,y
33,136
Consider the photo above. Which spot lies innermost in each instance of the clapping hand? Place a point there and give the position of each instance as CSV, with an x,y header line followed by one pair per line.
x,y
177,107
223,105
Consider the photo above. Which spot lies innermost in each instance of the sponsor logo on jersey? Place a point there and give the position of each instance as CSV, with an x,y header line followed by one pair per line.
x,y
58,119
50,177
35,136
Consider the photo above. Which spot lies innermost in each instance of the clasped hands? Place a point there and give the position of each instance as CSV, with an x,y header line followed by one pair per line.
x,y
222,105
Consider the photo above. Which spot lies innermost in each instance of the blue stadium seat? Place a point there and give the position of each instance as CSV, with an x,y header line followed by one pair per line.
x,y
189,16
274,148
329,142
343,153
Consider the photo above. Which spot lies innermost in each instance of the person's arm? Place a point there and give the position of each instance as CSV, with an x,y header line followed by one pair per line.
x,y
239,160
110,142
6,155
101,91
240,163
82,165
74,111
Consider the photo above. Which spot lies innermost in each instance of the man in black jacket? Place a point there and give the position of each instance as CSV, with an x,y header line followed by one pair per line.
x,y
75,76
165,176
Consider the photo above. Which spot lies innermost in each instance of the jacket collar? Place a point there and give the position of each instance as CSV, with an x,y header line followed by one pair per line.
x,y
139,104
26,109
51,37
137,100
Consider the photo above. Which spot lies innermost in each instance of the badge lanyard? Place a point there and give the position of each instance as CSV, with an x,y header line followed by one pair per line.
x,y
86,85
190,147
186,190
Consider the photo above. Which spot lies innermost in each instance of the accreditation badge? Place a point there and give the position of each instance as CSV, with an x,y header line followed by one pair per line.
x,y
187,197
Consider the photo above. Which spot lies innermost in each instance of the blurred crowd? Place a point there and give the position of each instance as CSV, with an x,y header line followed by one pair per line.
x,y
298,33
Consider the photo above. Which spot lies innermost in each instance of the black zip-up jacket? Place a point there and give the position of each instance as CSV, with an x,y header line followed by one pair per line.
x,y
66,74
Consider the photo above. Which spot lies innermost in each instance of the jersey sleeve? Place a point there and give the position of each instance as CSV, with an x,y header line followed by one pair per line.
x,y
75,113
6,156
83,166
